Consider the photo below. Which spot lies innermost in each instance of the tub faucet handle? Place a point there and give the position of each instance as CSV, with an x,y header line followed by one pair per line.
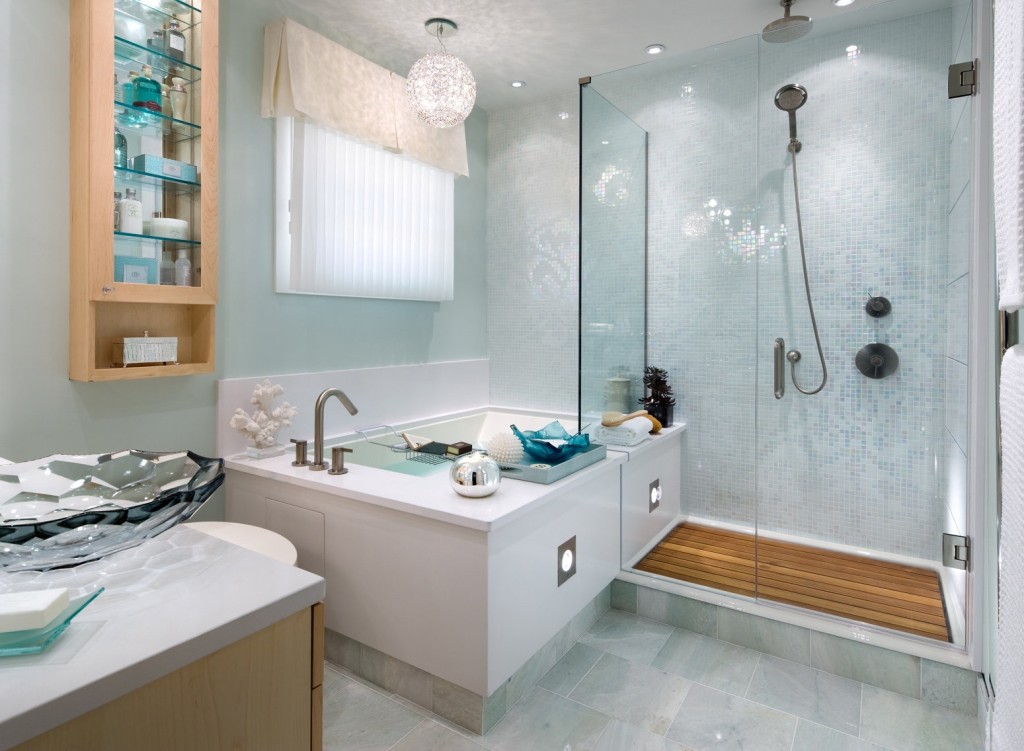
x,y
300,453
338,460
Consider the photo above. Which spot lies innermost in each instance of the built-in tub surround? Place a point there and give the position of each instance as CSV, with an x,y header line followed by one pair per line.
x,y
463,590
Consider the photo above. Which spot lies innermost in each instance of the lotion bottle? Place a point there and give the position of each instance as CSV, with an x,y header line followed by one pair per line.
x,y
168,272
183,269
130,210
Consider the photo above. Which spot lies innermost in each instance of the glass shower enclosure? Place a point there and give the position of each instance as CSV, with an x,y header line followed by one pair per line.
x,y
691,261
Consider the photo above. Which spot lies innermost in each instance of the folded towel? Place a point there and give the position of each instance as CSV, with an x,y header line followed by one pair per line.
x,y
1008,722
629,433
1008,149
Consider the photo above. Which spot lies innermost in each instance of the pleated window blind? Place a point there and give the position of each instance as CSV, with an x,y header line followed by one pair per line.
x,y
358,221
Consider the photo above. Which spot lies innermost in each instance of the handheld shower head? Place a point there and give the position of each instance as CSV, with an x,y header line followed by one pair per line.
x,y
790,98
788,28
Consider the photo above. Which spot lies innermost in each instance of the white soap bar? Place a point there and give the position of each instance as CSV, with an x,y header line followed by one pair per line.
x,y
20,611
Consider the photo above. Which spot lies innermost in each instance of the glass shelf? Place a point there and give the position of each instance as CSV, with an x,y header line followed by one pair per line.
x,y
138,118
130,237
134,177
167,7
128,51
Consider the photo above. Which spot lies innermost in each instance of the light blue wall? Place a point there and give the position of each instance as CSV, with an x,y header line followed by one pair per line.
x,y
258,331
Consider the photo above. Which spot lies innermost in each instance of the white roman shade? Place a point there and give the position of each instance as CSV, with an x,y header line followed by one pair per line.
x,y
307,76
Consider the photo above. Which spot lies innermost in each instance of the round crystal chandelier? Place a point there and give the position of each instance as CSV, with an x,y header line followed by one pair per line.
x,y
440,86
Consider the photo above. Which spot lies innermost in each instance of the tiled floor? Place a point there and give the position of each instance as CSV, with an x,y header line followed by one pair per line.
x,y
631,684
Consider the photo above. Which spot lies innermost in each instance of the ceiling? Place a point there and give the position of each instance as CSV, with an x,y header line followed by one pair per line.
x,y
550,44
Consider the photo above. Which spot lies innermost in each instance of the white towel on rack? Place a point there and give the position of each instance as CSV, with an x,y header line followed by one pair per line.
x,y
1008,722
629,433
1008,151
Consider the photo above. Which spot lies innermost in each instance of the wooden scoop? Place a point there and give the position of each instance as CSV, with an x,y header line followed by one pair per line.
x,y
614,419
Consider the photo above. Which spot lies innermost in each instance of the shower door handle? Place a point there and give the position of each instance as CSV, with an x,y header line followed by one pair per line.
x,y
780,368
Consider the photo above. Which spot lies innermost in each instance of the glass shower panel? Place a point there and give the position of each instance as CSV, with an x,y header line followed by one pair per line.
x,y
863,465
613,250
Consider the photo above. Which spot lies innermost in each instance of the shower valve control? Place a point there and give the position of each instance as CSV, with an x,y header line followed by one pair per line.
x,y
878,307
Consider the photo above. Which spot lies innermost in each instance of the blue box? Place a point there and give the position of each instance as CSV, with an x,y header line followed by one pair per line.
x,y
133,270
163,167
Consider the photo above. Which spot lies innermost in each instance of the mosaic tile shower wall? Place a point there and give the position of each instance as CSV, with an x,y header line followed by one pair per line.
x,y
532,264
862,463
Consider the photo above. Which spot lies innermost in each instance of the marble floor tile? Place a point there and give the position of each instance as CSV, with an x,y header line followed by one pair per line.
x,y
714,663
430,736
905,724
543,721
357,717
628,636
808,693
632,692
619,736
810,736
711,720
569,671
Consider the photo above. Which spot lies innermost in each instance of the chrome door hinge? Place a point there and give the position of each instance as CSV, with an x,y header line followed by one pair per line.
x,y
956,551
963,79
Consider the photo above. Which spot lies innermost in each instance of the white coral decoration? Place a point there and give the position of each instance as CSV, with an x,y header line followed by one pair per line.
x,y
262,425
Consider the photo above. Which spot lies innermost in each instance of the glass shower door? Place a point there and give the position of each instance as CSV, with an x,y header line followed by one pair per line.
x,y
864,468
613,253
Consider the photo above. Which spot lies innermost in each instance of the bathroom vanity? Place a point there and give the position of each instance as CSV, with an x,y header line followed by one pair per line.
x,y
194,643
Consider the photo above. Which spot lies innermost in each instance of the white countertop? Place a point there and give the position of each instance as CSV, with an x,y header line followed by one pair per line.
x,y
431,496
168,602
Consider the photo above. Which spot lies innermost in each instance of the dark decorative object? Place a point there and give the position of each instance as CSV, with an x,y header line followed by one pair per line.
x,y
659,400
66,510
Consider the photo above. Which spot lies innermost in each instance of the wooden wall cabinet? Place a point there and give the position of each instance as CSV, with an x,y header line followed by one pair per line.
x,y
115,272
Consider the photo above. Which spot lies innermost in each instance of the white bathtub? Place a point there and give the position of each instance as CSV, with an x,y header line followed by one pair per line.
x,y
465,589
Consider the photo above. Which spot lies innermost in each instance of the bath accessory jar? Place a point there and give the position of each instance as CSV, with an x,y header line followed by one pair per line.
x,y
475,475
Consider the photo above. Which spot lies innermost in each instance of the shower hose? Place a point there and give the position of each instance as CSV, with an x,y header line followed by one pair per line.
x,y
807,289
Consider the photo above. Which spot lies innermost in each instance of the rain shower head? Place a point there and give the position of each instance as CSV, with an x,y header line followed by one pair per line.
x,y
790,98
788,28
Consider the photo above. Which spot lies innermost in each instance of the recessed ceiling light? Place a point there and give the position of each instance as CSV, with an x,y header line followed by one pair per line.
x,y
853,51
518,84
604,143
842,3
655,49
563,115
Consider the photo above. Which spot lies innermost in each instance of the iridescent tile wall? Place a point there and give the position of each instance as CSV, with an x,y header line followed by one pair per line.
x,y
862,463
532,264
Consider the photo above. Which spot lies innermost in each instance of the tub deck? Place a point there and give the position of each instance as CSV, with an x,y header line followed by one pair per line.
x,y
886,594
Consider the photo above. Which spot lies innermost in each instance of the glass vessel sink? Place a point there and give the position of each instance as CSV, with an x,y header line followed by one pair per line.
x,y
66,509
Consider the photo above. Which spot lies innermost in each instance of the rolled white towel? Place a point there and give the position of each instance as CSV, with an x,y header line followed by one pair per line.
x,y
629,433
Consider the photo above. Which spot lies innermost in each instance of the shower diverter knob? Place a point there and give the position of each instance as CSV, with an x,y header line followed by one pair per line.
x,y
877,360
878,307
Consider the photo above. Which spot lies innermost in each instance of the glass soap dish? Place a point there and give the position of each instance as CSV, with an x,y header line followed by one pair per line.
x,y
35,640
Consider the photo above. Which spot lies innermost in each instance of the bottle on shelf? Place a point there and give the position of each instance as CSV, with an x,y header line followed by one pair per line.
x,y
167,269
130,209
183,269
120,150
179,99
157,42
128,98
165,99
174,41
118,91
117,210
147,91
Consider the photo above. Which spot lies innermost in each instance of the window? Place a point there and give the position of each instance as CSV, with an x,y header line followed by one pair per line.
x,y
359,221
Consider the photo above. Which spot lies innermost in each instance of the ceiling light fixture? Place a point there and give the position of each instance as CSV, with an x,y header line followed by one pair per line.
x,y
518,84
440,86
842,3
655,49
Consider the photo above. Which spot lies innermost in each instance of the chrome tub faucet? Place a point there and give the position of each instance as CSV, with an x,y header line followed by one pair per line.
x,y
318,424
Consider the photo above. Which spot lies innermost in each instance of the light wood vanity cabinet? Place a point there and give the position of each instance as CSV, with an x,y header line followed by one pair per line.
x,y
114,283
262,693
